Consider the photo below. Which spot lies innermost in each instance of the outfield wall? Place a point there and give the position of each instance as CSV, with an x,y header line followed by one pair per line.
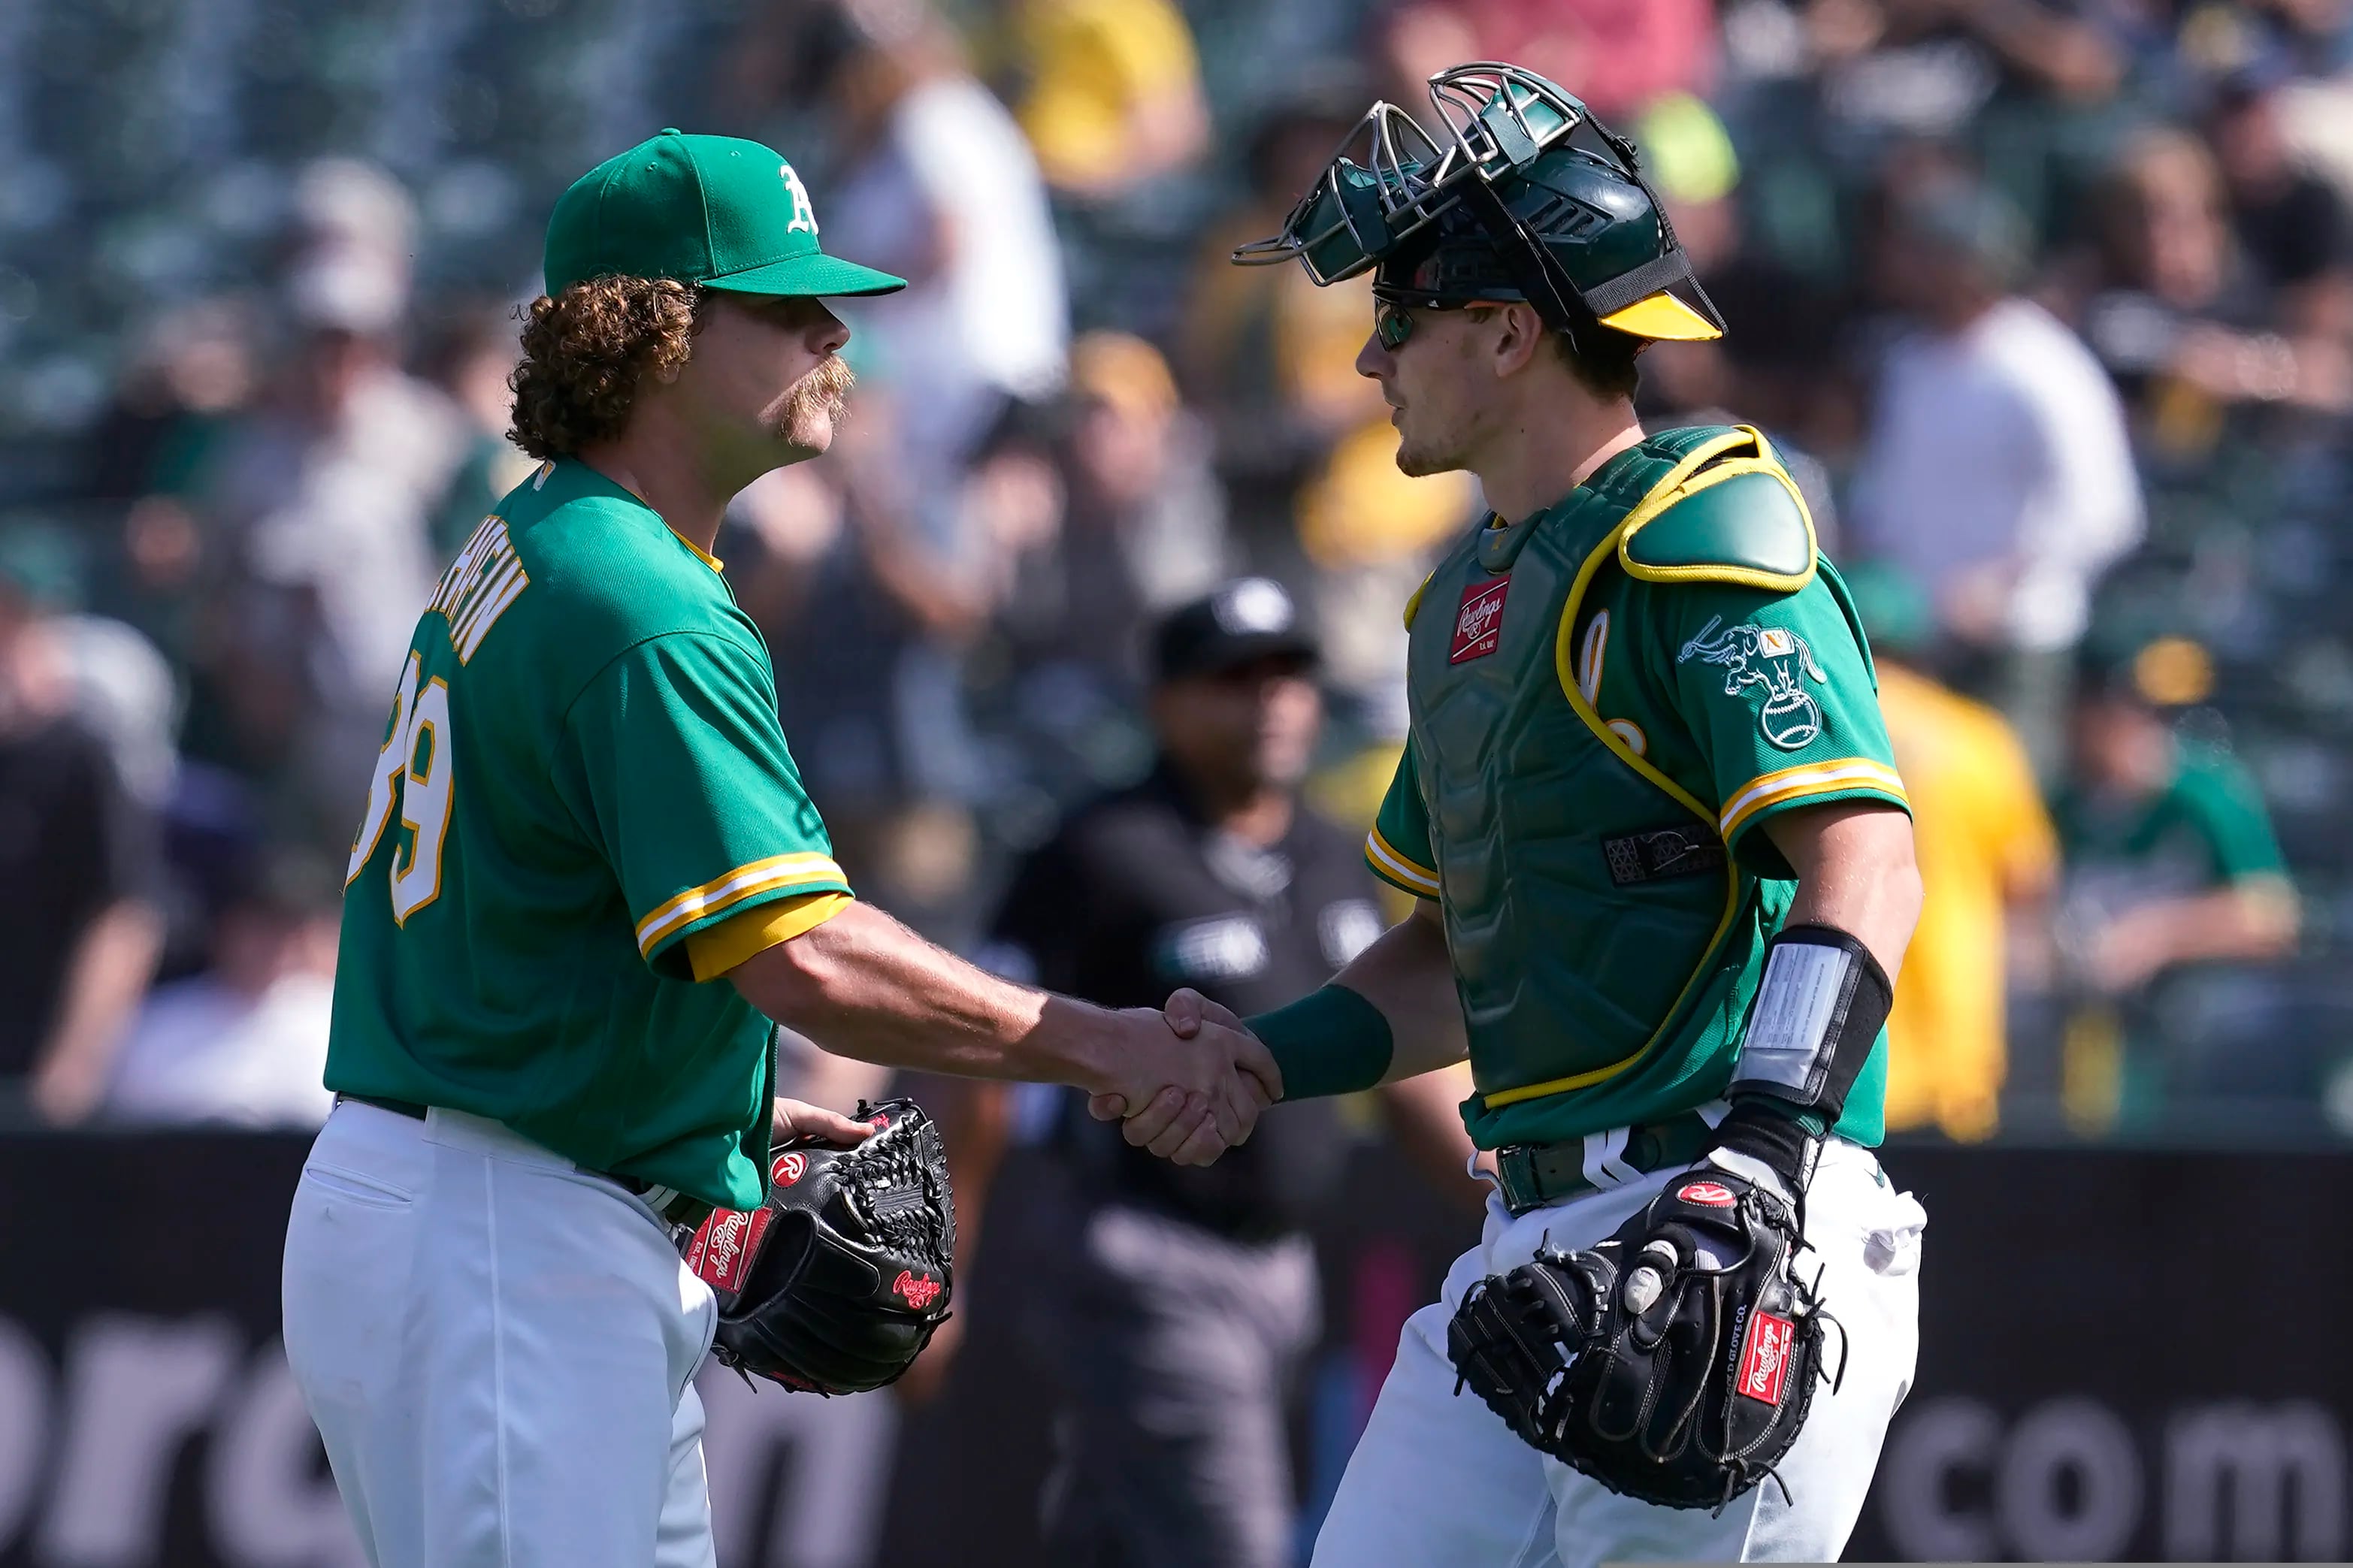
x,y
2126,1354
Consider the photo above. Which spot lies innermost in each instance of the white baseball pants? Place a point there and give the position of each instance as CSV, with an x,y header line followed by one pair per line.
x,y
1439,1482
498,1348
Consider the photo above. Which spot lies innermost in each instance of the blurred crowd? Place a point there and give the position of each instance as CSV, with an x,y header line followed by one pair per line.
x,y
2047,304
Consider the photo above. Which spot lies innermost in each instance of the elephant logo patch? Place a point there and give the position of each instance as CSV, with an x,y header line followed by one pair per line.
x,y
1768,656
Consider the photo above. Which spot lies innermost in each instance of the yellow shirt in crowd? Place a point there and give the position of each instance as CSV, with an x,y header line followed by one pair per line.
x,y
1984,843
1092,63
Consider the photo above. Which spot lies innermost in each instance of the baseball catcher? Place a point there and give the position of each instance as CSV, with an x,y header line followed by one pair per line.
x,y
1665,878
835,1284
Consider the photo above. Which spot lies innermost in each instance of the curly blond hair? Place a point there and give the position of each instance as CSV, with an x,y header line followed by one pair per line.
x,y
587,351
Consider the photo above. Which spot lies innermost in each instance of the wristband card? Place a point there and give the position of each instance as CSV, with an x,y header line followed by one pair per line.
x,y
1799,1003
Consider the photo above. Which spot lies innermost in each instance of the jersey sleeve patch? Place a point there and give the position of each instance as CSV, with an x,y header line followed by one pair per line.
x,y
1847,776
1770,666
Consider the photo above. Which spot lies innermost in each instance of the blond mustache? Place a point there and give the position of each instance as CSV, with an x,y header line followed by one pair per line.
x,y
826,387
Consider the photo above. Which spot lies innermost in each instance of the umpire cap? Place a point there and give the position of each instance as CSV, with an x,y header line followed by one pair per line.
x,y
1247,619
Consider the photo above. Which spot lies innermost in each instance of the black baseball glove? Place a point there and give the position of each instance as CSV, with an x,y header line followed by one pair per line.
x,y
1674,1363
837,1281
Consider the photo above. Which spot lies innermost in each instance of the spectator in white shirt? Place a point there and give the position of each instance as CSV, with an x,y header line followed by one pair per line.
x,y
326,493
938,181
246,1041
1998,465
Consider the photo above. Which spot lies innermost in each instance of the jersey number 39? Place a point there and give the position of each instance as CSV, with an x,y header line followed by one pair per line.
x,y
412,772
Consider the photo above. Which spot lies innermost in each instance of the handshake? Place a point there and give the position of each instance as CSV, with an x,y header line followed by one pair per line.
x,y
1187,1082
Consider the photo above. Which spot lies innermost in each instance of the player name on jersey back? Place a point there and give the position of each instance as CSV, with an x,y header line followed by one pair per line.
x,y
486,577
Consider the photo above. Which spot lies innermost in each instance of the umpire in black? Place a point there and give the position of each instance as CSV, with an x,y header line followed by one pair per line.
x,y
1174,1308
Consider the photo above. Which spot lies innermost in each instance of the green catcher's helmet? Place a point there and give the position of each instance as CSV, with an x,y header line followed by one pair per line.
x,y
1530,198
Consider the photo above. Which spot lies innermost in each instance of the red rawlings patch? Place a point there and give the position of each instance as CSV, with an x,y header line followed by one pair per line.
x,y
721,1253
1479,624
920,1290
1765,1358
788,1167
1715,1194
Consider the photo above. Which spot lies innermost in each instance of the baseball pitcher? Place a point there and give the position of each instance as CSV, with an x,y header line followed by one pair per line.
x,y
585,870
1666,880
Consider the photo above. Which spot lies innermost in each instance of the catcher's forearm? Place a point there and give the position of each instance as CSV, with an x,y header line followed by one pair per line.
x,y
863,985
1829,980
1409,974
1390,1014
1856,871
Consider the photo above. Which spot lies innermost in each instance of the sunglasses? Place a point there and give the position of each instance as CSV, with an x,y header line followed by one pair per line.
x,y
1394,323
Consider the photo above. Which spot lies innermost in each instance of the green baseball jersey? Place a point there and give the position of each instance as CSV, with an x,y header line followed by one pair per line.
x,y
1609,701
583,768
2206,829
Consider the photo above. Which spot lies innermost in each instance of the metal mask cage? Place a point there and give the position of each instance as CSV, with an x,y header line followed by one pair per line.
x,y
1355,213
1503,117
1498,118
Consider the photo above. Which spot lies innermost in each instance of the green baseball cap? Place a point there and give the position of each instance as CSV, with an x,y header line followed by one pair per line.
x,y
709,210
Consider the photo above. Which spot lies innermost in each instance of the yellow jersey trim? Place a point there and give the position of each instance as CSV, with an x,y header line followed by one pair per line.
x,y
715,950
1400,869
701,554
1784,784
778,871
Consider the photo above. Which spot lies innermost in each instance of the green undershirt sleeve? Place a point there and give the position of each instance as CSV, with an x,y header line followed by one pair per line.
x,y
1330,1041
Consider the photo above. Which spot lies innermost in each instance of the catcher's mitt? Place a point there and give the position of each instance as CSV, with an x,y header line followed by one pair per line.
x,y
837,1281
1674,1363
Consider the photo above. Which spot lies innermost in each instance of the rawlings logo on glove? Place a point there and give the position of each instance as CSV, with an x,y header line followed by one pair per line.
x,y
836,1283
917,1293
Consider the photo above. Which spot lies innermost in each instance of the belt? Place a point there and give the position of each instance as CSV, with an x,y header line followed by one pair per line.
x,y
676,1208
1531,1175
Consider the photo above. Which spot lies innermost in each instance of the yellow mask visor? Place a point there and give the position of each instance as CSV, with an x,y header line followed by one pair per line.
x,y
1662,316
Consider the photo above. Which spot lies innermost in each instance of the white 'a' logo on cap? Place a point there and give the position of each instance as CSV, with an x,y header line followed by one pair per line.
x,y
804,214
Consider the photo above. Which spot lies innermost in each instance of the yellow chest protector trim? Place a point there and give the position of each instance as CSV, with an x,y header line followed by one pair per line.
x,y
1415,603
1739,519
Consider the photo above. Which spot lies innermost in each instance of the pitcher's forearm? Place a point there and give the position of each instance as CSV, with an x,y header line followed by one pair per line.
x,y
863,985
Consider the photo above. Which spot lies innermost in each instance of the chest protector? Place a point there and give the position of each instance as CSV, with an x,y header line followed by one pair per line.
x,y
1573,961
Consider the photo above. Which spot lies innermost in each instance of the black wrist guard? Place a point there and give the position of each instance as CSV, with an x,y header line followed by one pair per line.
x,y
1771,1133
1818,1013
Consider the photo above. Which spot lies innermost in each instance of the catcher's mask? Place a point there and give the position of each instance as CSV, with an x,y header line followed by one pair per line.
x,y
1528,198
